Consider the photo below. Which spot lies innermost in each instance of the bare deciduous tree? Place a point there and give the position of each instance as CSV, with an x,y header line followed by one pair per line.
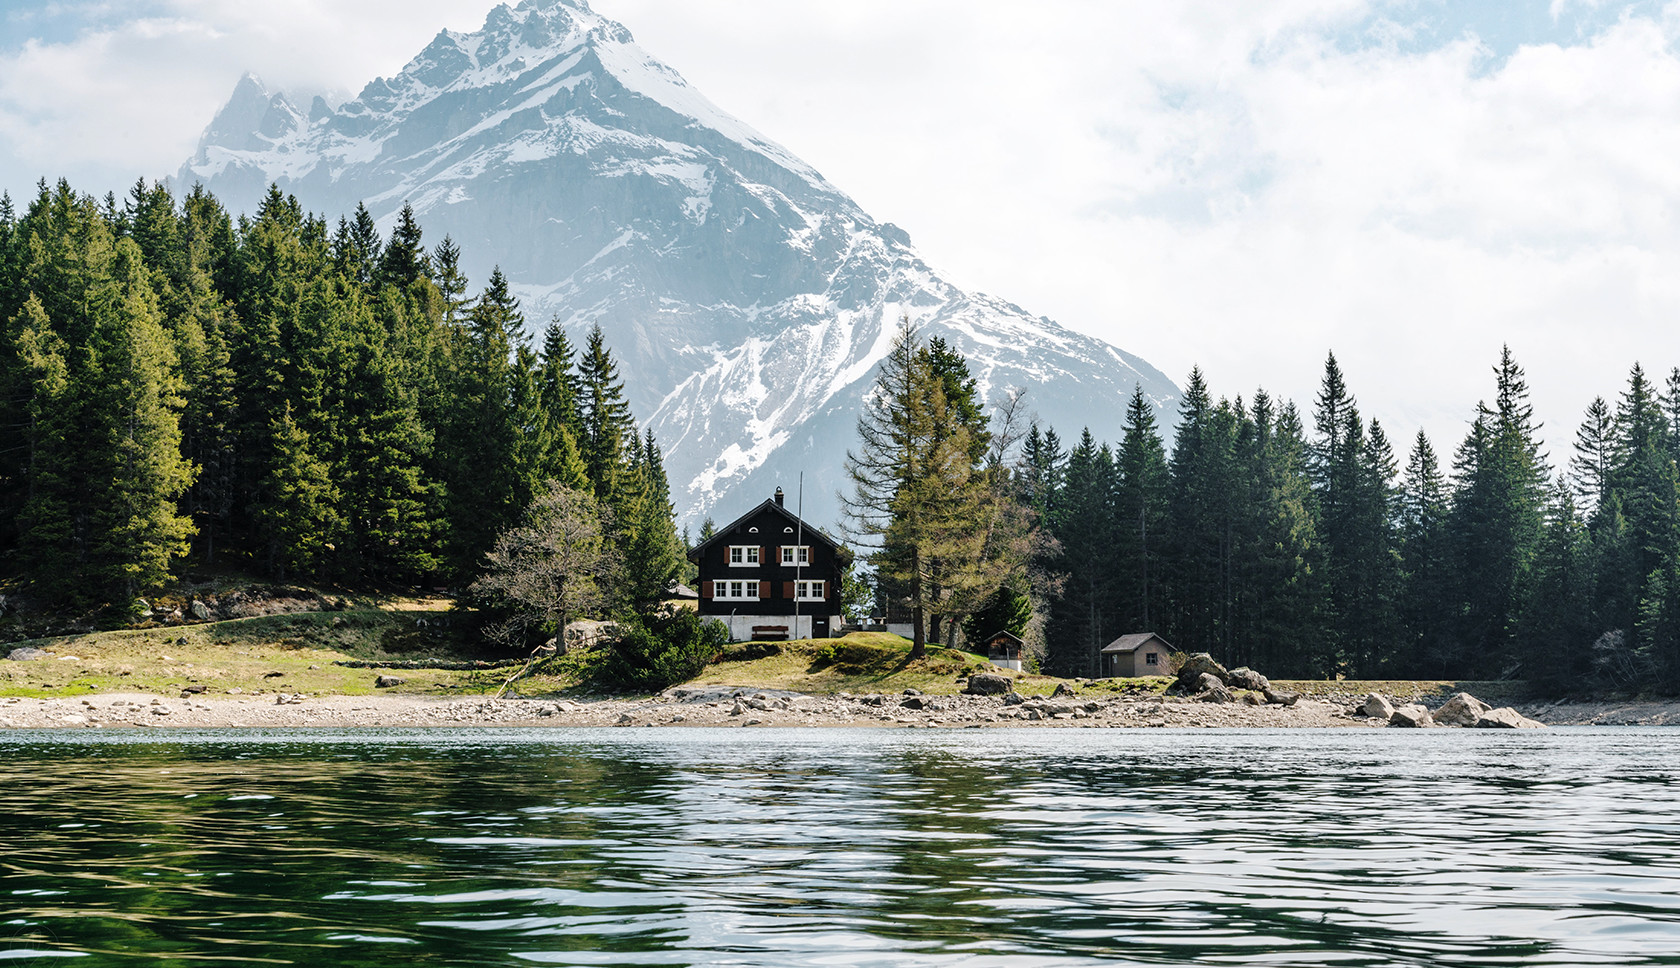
x,y
557,565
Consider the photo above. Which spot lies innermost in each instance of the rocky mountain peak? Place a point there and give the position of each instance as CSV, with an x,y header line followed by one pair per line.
x,y
749,299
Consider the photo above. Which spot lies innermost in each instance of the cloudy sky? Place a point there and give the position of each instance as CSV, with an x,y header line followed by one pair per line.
x,y
1244,186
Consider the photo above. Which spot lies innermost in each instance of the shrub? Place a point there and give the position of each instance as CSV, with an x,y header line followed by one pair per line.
x,y
660,650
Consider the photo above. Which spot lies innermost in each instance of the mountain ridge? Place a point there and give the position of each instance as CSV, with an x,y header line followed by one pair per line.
x,y
747,298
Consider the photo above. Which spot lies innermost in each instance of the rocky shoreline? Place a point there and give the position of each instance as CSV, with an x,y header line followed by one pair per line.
x,y
744,707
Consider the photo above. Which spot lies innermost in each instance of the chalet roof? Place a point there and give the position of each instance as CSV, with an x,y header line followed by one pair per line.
x,y
1004,634
811,533
1130,643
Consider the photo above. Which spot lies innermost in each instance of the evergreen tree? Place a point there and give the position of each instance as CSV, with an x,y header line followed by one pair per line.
x,y
1140,507
1427,580
1498,517
1595,444
486,488
404,258
604,414
653,554
1084,619
914,487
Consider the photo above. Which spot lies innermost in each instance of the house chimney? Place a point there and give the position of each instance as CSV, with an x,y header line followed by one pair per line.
x,y
778,497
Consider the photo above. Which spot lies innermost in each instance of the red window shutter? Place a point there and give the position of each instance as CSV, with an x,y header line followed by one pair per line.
x,y
787,589
763,589
705,589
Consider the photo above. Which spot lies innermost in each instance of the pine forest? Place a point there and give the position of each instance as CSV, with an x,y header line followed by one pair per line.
x,y
312,402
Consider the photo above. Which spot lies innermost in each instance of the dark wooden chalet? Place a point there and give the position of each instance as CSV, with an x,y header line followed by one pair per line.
x,y
1005,649
768,575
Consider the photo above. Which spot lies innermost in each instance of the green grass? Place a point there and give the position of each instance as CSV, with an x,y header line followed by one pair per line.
x,y
241,653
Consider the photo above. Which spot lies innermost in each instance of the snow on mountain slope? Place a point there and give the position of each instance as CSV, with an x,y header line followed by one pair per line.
x,y
747,299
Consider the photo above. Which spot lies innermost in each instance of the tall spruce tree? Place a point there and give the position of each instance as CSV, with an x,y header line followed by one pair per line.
x,y
1140,508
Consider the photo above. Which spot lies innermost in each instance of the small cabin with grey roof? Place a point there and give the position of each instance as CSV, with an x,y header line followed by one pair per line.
x,y
1137,654
770,575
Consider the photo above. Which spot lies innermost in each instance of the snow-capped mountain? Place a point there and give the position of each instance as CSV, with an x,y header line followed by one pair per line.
x,y
747,299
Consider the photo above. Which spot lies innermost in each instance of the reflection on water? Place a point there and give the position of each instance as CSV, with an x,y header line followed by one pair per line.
x,y
832,847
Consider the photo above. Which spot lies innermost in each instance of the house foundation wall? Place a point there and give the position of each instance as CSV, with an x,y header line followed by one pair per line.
x,y
799,627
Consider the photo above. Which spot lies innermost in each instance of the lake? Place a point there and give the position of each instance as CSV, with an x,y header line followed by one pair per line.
x,y
838,847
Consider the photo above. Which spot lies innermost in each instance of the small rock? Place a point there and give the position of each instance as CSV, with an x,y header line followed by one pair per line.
x,y
159,709
1507,718
74,719
1063,689
625,718
1414,716
1377,707
386,682
988,684
1014,699
914,702
1462,709
236,691
912,692
193,689
273,675
199,610
1276,697
1253,698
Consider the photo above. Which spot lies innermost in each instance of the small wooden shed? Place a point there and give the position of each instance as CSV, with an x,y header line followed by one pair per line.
x,y
1004,649
1137,654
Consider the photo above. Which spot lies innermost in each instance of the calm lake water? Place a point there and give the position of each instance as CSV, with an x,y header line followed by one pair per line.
x,y
841,847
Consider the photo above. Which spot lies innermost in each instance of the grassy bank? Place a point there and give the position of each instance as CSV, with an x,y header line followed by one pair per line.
x,y
293,652
297,652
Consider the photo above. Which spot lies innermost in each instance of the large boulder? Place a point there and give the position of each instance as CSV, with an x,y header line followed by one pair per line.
x,y
1507,718
1246,678
1462,709
1063,689
1377,707
28,654
1278,697
1210,689
988,684
1194,667
1414,716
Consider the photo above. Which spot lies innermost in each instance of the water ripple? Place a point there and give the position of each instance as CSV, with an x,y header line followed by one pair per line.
x,y
856,848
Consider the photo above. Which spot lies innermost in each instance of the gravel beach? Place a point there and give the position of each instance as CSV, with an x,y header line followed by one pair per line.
x,y
734,708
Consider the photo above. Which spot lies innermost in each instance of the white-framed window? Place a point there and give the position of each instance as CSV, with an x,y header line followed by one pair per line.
x,y
735,591
796,554
743,556
809,591
1152,658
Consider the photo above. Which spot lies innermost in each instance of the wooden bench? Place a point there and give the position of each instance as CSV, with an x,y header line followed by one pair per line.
x,y
764,632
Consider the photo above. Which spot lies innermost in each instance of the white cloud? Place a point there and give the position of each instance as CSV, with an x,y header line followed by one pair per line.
x,y
1241,185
